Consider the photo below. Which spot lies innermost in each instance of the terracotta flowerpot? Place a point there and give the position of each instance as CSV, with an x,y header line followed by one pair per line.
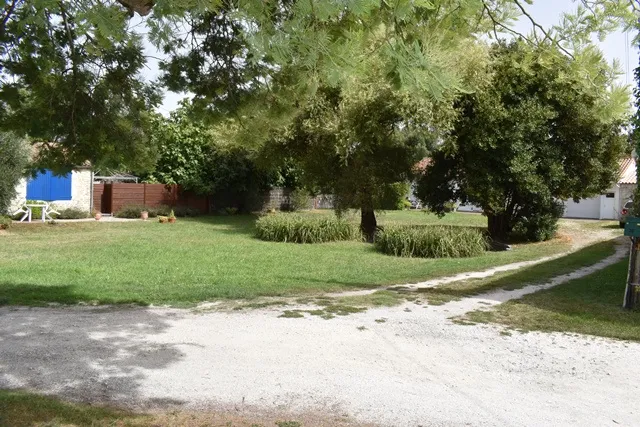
x,y
98,216
144,215
172,220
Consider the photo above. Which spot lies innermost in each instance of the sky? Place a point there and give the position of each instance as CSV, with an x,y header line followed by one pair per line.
x,y
545,12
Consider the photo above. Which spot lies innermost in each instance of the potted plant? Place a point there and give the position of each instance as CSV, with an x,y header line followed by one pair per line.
x,y
172,217
97,215
162,219
144,215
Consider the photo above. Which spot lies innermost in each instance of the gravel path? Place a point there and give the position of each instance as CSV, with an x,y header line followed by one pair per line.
x,y
401,366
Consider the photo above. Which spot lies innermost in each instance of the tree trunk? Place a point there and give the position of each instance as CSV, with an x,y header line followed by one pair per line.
x,y
499,227
368,224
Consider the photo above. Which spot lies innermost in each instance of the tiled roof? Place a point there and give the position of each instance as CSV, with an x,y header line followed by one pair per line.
x,y
627,171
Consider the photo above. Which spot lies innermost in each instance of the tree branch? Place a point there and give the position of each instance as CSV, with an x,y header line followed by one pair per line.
x,y
538,26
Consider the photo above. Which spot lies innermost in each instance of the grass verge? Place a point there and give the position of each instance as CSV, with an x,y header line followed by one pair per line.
x,y
590,305
517,279
25,409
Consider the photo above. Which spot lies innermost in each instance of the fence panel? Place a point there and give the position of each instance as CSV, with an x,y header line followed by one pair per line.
x,y
110,198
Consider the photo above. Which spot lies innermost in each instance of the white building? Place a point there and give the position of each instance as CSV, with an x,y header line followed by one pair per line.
x,y
609,204
73,190
605,206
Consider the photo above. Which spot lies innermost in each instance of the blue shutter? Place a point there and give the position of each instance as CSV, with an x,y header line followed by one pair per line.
x,y
60,187
48,187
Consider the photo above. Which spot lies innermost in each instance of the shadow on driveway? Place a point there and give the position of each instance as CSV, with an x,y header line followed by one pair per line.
x,y
85,354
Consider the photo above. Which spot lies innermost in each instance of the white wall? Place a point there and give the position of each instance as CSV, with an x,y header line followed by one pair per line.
x,y
81,186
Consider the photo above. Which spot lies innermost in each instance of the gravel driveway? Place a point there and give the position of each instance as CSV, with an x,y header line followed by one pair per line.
x,y
415,368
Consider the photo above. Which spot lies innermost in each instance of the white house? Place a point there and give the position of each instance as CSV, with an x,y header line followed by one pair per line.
x,y
605,206
609,204
71,190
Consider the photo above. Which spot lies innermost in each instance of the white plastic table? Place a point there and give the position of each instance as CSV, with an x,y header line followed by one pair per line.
x,y
46,211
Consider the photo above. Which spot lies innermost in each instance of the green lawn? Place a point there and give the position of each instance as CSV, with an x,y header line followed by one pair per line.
x,y
590,305
517,279
210,258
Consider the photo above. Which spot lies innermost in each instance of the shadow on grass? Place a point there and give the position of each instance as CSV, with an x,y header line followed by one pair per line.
x,y
35,295
534,274
227,224
88,355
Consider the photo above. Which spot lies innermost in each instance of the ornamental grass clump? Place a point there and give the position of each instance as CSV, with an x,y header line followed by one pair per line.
x,y
431,241
303,229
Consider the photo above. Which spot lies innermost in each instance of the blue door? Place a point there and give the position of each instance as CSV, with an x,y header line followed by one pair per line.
x,y
49,187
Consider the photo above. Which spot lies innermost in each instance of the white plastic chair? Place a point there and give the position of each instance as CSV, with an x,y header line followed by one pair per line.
x,y
22,210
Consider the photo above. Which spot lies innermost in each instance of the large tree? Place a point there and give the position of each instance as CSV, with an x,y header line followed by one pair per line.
x,y
540,132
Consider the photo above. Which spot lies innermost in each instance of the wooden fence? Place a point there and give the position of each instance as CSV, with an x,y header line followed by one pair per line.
x,y
110,198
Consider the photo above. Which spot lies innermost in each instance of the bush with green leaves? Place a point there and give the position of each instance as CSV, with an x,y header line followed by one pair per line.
x,y
71,213
539,222
284,227
5,222
299,200
431,241
394,196
14,157
134,211
184,211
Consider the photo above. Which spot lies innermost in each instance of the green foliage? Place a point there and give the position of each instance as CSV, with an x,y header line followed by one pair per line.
x,y
184,149
431,241
134,211
5,222
358,143
303,229
539,222
72,213
14,157
635,135
299,200
70,77
537,133
394,196
190,155
184,211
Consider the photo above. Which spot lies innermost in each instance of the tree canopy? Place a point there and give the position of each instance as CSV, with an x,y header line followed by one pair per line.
x,y
536,134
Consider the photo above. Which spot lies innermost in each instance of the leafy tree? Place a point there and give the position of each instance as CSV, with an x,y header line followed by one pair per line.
x,y
184,152
191,155
536,134
357,144
14,157
69,79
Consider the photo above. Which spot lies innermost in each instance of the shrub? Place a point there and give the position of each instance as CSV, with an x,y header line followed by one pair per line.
x,y
431,241
299,200
394,196
5,222
71,213
134,211
539,223
14,156
300,229
183,211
